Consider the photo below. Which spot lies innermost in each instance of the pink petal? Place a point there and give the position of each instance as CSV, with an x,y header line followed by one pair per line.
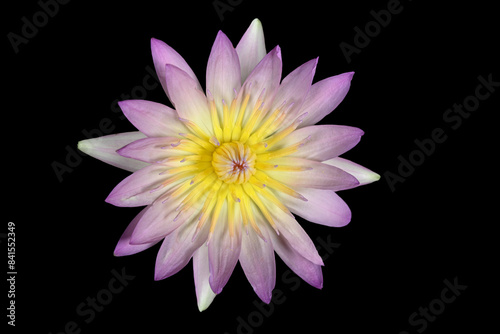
x,y
151,118
163,55
291,230
124,247
189,102
223,251
325,96
258,263
204,294
160,219
178,248
320,176
223,71
323,207
362,174
152,150
326,141
104,149
263,80
308,271
294,89
251,48
135,190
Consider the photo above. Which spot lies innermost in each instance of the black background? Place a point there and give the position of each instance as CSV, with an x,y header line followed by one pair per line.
x,y
400,245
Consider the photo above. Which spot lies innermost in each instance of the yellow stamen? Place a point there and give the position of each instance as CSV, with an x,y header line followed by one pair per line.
x,y
254,117
200,157
232,192
249,190
215,120
281,152
270,182
259,134
285,132
178,158
180,190
265,166
227,120
276,124
221,199
200,142
209,204
248,216
237,126
175,178
282,168
231,218
192,167
202,175
265,192
232,113
253,180
195,128
188,146
214,141
196,193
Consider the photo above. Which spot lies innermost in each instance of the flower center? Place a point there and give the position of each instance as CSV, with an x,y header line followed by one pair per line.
x,y
234,162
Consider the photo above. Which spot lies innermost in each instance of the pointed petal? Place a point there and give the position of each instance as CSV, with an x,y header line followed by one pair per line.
x,y
223,250
204,294
152,150
163,54
178,248
223,71
189,102
104,149
320,176
362,174
265,78
135,190
324,96
251,48
323,207
294,89
258,263
291,230
305,269
124,247
160,219
151,118
326,141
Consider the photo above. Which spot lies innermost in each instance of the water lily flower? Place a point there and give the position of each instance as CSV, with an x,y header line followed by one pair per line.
x,y
222,175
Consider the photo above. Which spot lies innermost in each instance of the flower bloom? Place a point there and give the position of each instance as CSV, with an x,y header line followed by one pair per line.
x,y
223,174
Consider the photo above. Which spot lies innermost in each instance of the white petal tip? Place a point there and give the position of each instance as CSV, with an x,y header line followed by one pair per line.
x,y
368,177
83,145
206,302
256,23
203,305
